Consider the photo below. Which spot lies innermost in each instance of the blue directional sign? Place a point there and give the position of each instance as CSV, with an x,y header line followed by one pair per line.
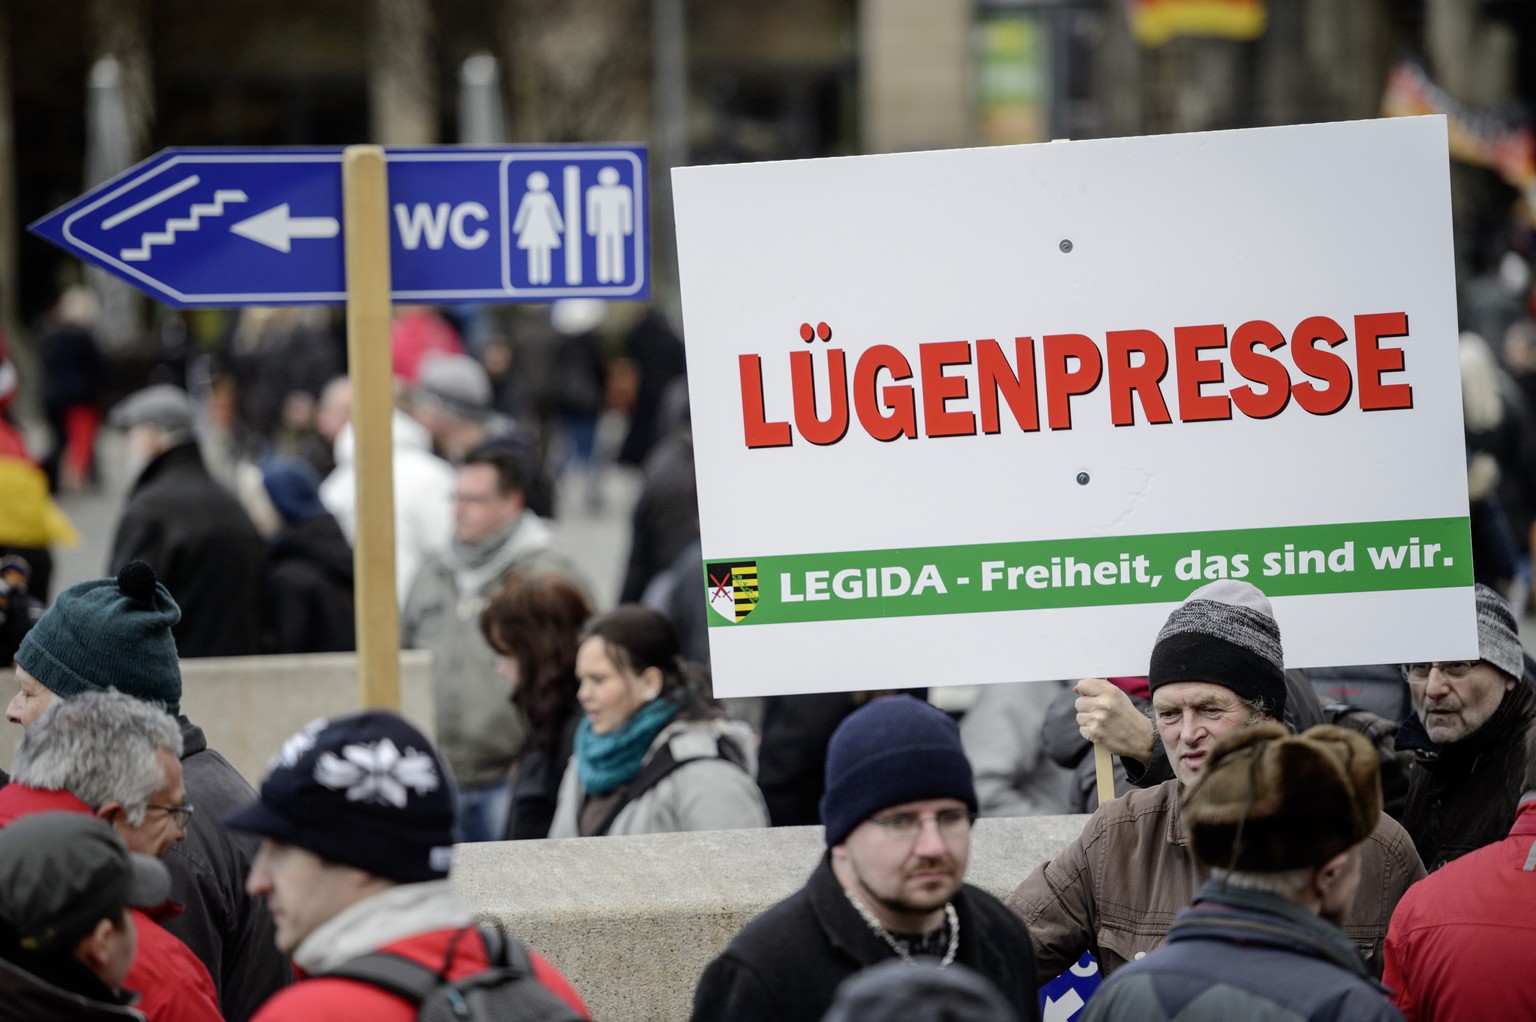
x,y
210,227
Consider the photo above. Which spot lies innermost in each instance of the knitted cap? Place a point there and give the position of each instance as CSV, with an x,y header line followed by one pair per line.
x,y
62,873
109,633
366,790
1225,634
1270,801
1498,637
893,750
292,487
458,383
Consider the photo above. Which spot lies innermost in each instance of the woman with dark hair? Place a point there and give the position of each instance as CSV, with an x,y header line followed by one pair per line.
x,y
654,752
533,623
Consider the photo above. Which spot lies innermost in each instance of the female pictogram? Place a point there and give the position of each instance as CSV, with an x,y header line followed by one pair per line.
x,y
538,227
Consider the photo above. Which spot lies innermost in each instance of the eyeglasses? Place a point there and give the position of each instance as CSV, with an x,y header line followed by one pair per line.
x,y
183,813
906,826
1454,669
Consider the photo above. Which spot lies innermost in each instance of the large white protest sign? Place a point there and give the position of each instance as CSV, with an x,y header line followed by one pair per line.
x,y
987,415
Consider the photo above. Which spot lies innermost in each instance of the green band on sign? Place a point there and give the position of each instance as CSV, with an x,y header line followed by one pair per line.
x,y
1303,560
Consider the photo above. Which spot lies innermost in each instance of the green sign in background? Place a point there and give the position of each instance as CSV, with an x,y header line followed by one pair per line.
x,y
1403,558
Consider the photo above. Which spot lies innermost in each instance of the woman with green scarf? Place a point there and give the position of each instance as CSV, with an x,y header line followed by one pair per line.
x,y
654,753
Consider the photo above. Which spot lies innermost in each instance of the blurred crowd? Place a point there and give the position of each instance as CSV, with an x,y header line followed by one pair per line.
x,y
1272,850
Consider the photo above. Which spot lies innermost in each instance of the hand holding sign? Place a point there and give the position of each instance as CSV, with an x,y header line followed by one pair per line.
x,y
1106,716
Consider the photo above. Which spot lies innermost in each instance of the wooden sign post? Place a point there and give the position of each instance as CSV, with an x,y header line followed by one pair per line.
x,y
365,200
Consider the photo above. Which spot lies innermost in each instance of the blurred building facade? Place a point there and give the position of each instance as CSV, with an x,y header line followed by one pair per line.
x,y
719,80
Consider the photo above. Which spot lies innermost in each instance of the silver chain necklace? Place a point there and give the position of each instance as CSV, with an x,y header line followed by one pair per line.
x,y
950,915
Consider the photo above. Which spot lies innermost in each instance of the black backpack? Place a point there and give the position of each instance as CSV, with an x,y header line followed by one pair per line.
x,y
508,991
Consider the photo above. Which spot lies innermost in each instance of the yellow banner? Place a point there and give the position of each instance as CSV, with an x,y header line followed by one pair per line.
x,y
1154,22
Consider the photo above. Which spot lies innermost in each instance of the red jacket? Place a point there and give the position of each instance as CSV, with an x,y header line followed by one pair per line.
x,y
1459,947
343,1000
173,986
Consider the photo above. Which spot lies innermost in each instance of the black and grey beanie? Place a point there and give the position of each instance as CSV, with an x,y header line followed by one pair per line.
x,y
366,790
1224,633
1498,637
896,749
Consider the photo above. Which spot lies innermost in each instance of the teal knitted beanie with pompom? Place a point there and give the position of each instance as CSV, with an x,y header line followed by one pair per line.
x,y
109,633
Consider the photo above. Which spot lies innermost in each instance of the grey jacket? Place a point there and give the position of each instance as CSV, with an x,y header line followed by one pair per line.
x,y
479,731
706,793
1004,740
226,928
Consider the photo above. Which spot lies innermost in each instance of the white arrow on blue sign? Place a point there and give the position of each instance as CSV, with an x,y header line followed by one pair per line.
x,y
210,227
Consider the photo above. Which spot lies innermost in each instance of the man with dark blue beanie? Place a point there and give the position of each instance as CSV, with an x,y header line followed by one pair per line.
x,y
898,809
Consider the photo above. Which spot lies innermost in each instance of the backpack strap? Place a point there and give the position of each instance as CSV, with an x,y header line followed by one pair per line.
x,y
505,951
659,767
398,975
411,981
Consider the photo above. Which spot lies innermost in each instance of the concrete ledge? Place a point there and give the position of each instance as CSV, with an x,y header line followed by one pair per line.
x,y
248,706
633,921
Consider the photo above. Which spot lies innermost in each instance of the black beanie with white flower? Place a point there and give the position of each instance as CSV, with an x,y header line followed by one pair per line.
x,y
366,790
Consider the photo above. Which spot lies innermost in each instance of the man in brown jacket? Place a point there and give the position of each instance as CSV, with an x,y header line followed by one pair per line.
x,y
1216,667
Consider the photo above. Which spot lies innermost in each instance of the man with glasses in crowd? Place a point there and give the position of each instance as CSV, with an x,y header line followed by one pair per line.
x,y
1467,735
898,808
116,633
111,756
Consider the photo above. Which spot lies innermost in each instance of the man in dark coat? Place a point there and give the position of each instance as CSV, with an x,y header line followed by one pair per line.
x,y
898,809
1280,821
1467,734
309,594
117,633
189,529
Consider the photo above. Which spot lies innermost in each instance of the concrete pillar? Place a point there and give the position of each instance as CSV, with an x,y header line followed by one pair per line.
x,y
669,41
1118,69
120,114
1345,51
1472,58
10,318
578,70
402,73
915,74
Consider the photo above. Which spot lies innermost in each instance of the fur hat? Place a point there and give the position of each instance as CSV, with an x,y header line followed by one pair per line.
x,y
109,633
366,790
894,750
1225,634
1269,801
